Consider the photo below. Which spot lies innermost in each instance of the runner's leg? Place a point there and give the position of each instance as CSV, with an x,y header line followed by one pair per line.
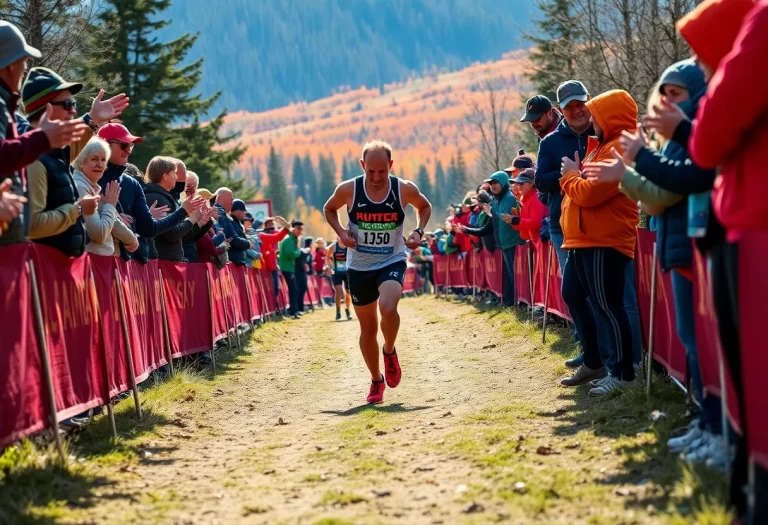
x,y
389,297
369,345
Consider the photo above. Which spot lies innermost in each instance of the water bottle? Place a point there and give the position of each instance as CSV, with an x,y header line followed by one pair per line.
x,y
698,214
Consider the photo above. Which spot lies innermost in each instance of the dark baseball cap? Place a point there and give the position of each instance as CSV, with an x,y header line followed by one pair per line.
x,y
535,108
571,90
41,87
524,176
238,205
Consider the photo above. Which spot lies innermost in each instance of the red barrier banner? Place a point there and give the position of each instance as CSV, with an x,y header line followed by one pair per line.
x,y
440,265
409,281
522,275
111,324
75,345
257,303
141,290
753,283
708,340
667,348
326,287
494,272
22,397
243,302
475,270
555,304
219,311
269,291
187,307
457,271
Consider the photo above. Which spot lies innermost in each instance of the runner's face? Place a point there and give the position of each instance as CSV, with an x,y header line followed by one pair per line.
x,y
376,166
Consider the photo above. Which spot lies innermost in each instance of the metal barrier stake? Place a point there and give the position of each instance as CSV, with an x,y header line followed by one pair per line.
x,y
546,293
42,346
213,330
649,362
110,403
248,293
231,286
530,275
166,329
128,351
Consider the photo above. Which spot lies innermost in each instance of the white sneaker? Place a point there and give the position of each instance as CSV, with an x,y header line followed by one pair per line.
x,y
709,448
611,384
681,443
596,382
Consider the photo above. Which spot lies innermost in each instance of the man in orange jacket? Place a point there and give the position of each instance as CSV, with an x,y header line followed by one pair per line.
x,y
599,224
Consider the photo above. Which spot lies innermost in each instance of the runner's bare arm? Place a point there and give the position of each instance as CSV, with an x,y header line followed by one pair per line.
x,y
341,197
329,255
410,194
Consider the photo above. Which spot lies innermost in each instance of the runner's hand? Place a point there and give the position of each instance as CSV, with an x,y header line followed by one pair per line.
x,y
413,240
348,238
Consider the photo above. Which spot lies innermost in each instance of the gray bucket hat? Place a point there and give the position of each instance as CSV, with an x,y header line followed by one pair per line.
x,y
13,45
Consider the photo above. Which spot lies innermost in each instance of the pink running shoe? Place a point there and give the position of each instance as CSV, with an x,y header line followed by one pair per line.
x,y
392,371
376,394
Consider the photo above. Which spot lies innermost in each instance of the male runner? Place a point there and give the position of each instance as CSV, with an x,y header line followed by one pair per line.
x,y
376,203
336,259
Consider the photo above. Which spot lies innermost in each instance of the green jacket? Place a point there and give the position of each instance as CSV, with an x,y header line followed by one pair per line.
x,y
289,252
506,236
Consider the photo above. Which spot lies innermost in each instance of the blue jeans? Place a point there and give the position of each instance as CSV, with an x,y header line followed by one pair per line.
x,y
711,410
598,275
509,276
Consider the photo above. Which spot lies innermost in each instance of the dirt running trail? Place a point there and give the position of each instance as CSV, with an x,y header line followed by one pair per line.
x,y
286,438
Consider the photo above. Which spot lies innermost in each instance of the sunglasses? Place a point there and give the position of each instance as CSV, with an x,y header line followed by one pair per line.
x,y
125,146
66,105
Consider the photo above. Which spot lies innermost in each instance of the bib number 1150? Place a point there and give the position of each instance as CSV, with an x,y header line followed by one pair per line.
x,y
375,238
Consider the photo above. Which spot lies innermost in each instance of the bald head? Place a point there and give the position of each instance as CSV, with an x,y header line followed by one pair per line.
x,y
224,197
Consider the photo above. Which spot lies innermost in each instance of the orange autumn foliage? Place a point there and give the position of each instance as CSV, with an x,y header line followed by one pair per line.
x,y
424,119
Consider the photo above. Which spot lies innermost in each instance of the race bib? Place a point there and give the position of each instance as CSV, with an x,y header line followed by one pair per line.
x,y
378,234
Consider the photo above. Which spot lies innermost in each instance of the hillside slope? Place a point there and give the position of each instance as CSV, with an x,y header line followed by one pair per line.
x,y
424,119
267,53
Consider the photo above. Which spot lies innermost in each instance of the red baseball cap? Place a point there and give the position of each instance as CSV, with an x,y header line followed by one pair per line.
x,y
118,132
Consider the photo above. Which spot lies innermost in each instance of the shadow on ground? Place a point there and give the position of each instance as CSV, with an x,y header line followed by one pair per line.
x,y
395,408
32,482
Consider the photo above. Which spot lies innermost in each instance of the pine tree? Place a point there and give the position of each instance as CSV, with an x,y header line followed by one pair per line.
x,y
163,87
423,182
298,179
311,178
439,192
276,189
257,178
327,184
461,178
194,145
556,46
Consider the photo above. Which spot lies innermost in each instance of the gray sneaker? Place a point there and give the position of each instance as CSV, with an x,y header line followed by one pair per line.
x,y
584,375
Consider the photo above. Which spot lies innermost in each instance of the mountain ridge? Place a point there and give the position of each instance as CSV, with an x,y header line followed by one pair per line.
x,y
290,51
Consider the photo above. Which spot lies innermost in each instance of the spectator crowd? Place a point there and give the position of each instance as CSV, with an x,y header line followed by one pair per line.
x,y
692,164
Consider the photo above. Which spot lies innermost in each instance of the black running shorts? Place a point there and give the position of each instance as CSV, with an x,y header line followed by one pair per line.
x,y
364,284
339,278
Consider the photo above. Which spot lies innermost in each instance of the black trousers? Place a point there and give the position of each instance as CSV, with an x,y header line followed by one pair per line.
x,y
293,292
725,293
302,287
597,275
